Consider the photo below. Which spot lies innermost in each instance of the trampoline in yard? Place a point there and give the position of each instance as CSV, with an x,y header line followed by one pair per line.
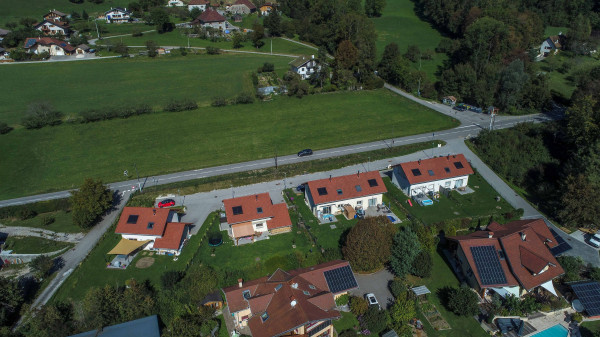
x,y
215,239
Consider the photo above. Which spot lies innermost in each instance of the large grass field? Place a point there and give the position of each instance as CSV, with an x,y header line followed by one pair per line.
x,y
55,158
78,86
400,24
13,10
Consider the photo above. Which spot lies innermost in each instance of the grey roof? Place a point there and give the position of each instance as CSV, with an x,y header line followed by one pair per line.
x,y
83,46
215,296
3,32
300,60
421,290
390,333
143,327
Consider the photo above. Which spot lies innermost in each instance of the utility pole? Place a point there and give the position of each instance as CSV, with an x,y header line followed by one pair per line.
x,y
97,31
275,157
419,88
138,177
432,146
284,183
271,46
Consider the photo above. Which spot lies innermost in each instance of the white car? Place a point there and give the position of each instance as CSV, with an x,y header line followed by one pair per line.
x,y
372,299
594,240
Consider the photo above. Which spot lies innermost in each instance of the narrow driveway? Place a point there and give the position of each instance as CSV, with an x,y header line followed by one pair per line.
x,y
376,283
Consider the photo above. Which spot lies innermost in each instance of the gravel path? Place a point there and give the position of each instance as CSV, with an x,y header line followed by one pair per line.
x,y
42,233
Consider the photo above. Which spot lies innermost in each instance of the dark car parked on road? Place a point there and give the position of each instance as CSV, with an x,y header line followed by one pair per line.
x,y
305,152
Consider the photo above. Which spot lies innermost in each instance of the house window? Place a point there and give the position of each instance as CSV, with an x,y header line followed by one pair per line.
x,y
358,188
322,190
447,169
339,191
259,225
416,172
431,174
359,202
264,317
447,184
246,295
259,210
326,209
132,219
458,165
372,202
150,225
372,182
306,293
458,183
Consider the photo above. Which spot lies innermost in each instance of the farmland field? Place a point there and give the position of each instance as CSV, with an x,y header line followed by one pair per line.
x,y
79,86
55,158
400,24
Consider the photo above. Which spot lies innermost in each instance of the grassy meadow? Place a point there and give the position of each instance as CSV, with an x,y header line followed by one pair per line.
x,y
33,245
55,158
400,24
77,86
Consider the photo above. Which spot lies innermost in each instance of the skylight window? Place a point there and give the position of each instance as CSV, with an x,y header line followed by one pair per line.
x,y
246,294
306,293
132,219
372,182
237,210
150,225
264,317
259,210
311,286
278,287
458,165
358,188
431,174
322,190
339,191
447,169
416,172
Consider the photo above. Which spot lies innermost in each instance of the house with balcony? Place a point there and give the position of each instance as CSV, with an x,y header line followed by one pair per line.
x,y
427,176
297,302
255,217
200,4
55,16
211,18
512,259
117,15
304,66
48,27
54,47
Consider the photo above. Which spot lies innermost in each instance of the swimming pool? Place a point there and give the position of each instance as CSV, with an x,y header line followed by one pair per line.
x,y
555,331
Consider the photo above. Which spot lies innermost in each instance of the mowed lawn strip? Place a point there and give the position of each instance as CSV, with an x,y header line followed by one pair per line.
x,y
56,158
63,222
33,245
80,86
401,25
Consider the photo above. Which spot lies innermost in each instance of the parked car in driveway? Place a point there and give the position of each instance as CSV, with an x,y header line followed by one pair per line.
x,y
372,299
300,188
305,152
594,240
166,203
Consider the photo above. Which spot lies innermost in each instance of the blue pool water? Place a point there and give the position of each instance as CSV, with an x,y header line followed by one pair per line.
x,y
555,331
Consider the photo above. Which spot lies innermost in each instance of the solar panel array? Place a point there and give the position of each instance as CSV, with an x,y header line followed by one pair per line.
x,y
488,265
562,247
340,279
589,295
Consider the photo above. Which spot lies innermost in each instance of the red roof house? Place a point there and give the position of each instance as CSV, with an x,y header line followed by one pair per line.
x,y
299,302
510,259
254,216
161,226
360,190
430,175
50,45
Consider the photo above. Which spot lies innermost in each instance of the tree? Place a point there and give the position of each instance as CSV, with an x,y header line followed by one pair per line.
x,y
401,312
11,298
199,280
512,80
170,278
89,202
374,320
393,68
422,264
195,12
160,18
413,53
463,301
368,243
582,121
151,46
346,55
84,15
121,48
236,39
579,202
578,36
258,32
42,265
374,8
273,23
52,320
295,85
405,249
358,305
40,114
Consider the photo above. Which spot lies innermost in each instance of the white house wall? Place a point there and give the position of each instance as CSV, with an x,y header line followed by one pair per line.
x,y
149,246
400,180
336,205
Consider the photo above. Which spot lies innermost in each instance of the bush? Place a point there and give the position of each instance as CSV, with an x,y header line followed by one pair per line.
x,y
342,300
47,220
219,101
244,98
26,213
358,305
397,287
572,267
463,301
267,67
101,114
37,207
213,50
577,317
40,114
422,264
4,128
181,105
170,278
137,33
374,320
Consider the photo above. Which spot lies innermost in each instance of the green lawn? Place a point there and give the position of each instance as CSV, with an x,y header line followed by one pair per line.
x,y
442,276
588,329
13,10
555,30
63,222
33,245
109,29
60,157
400,24
565,83
79,86
479,204
348,321
177,38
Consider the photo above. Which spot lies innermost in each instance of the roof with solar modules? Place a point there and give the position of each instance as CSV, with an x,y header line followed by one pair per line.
x,y
47,41
588,293
287,300
518,253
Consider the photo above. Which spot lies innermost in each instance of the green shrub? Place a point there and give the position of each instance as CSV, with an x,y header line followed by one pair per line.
x,y
219,101
358,305
40,114
397,287
26,213
244,98
422,264
463,301
577,317
213,50
47,220
4,128
342,300
181,105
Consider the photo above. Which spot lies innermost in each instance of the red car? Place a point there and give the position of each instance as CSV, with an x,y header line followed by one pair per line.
x,y
166,203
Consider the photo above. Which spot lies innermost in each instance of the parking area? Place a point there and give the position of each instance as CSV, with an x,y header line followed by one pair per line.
x,y
377,284
583,237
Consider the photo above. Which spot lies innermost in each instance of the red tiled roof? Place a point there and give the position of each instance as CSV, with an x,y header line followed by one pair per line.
x,y
441,167
277,215
274,295
198,2
466,244
525,244
210,15
348,185
248,4
172,237
47,41
145,215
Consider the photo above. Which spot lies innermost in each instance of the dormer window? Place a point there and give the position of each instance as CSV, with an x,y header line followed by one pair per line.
x,y
259,210
264,316
150,225
246,294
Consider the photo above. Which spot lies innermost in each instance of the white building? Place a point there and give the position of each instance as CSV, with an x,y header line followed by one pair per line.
x,y
430,175
200,4
175,3
330,195
54,47
53,28
551,45
117,15
304,66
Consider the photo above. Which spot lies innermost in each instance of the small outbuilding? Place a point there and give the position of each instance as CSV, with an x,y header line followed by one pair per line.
x,y
213,300
449,100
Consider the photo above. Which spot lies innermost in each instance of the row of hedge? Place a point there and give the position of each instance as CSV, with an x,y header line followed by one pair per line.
x,y
28,211
242,98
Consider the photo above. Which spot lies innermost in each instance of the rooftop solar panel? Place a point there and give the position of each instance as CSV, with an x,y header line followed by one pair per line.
x,y
322,190
340,279
562,247
237,210
372,182
458,165
416,172
589,295
488,265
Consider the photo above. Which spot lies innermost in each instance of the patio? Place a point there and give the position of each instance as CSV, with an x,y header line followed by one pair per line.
x,y
326,218
121,262
382,210
251,239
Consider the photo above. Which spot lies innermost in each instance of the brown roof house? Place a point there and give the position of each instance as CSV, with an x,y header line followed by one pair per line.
x,y
50,27
54,47
298,302
211,18
55,15
430,175
255,217
332,195
155,229
552,44
511,259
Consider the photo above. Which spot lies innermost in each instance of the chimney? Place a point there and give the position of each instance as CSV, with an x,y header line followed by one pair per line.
x,y
523,236
240,282
448,156
419,161
293,301
154,211
358,173
490,234
330,177
256,197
